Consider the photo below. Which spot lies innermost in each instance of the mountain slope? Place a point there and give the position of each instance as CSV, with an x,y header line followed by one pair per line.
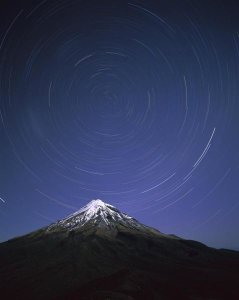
x,y
102,253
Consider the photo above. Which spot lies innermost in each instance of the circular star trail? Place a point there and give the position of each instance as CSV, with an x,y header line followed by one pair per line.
x,y
135,103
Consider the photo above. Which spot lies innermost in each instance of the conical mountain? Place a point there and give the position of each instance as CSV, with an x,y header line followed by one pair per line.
x,y
101,217
101,253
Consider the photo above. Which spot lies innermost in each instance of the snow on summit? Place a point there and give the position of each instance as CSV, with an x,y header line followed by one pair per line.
x,y
97,214
95,209
94,206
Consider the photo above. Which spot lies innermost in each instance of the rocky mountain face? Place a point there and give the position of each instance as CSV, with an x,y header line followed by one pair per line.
x,y
101,253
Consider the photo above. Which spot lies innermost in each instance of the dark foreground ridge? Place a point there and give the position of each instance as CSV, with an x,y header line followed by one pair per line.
x,y
101,253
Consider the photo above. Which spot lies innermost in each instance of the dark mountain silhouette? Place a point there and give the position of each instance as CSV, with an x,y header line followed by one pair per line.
x,y
101,253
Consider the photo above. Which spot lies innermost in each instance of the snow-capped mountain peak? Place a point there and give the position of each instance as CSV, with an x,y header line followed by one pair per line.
x,y
93,207
96,213
97,209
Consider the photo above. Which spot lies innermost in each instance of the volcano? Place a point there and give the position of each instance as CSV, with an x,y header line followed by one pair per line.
x,y
101,253
101,217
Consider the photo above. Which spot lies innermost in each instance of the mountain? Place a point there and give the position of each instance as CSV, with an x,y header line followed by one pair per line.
x,y
101,217
101,253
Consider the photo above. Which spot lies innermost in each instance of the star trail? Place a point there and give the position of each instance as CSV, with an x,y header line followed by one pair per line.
x,y
135,103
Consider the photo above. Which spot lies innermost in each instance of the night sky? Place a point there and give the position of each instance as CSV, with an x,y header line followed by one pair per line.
x,y
132,102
